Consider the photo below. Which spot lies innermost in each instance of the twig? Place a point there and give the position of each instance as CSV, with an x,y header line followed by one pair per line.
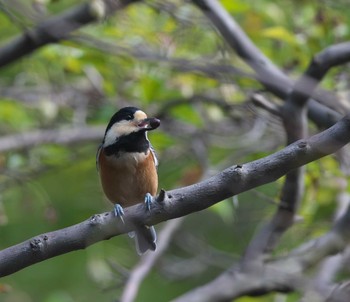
x,y
141,270
260,101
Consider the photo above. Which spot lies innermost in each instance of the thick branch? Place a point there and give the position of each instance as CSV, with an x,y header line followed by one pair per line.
x,y
178,202
55,29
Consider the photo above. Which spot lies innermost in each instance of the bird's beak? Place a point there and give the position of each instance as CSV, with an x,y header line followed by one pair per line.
x,y
149,124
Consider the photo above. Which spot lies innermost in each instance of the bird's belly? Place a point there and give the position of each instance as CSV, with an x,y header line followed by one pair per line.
x,y
127,179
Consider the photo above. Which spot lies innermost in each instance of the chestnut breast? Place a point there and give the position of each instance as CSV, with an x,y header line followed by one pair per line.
x,y
127,178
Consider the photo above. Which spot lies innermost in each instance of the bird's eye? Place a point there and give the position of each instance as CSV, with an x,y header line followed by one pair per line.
x,y
129,117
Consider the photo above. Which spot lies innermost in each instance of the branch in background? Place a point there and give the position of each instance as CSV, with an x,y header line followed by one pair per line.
x,y
293,114
281,275
141,53
216,71
260,101
142,269
330,267
63,136
202,99
330,57
269,75
178,202
55,29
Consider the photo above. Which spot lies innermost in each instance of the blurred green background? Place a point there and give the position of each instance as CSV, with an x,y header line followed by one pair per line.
x,y
166,58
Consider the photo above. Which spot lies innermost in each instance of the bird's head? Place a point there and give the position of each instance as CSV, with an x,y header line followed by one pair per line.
x,y
126,121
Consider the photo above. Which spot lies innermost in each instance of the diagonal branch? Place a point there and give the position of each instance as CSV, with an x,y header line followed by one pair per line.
x,y
269,75
293,114
178,202
55,29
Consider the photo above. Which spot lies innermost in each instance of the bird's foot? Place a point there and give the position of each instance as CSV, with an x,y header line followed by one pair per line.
x,y
148,201
118,211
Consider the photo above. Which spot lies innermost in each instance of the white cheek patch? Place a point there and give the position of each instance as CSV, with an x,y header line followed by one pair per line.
x,y
118,130
123,128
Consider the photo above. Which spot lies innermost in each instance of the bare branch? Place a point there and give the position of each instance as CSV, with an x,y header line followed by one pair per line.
x,y
141,270
260,101
268,74
332,56
55,29
62,136
182,64
293,114
282,275
178,202
323,283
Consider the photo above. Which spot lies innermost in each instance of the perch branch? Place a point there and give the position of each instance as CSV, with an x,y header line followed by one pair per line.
x,y
179,202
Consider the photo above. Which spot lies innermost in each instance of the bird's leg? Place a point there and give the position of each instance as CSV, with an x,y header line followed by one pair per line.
x,y
148,201
118,211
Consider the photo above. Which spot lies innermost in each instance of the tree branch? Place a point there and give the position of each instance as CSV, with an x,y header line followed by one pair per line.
x,y
330,267
282,275
178,202
62,136
321,63
141,270
268,74
55,29
293,114
181,64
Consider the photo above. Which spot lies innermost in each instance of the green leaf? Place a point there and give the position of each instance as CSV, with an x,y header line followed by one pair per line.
x,y
280,33
14,116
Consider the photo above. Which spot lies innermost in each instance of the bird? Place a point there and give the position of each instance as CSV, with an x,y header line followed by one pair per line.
x,y
127,166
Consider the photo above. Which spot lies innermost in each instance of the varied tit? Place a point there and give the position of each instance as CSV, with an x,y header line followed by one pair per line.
x,y
127,166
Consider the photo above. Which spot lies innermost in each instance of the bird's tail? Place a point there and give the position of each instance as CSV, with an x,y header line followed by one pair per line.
x,y
145,238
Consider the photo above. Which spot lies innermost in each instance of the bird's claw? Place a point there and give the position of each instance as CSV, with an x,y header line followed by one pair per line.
x,y
118,211
148,201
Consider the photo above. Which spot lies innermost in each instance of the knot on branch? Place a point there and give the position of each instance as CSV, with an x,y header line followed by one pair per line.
x,y
37,243
302,144
161,196
97,219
